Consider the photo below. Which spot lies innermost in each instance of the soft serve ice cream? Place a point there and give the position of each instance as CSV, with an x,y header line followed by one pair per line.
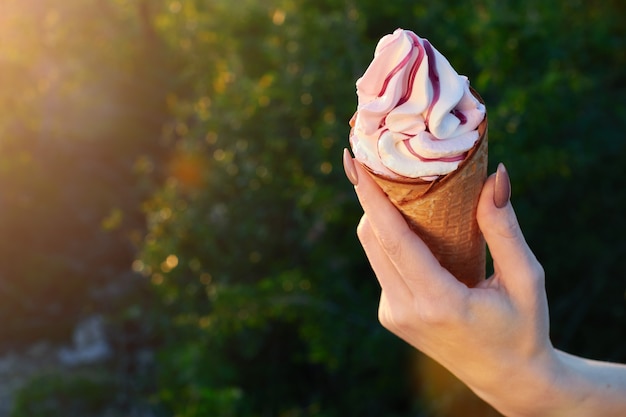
x,y
416,117
421,132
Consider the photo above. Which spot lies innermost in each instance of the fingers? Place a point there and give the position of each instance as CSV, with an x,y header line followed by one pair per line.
x,y
390,280
512,257
408,254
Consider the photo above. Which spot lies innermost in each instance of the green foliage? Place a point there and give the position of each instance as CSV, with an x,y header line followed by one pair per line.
x,y
267,278
262,303
257,302
52,395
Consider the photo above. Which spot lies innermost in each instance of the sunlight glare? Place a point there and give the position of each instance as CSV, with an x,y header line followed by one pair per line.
x,y
169,263
278,18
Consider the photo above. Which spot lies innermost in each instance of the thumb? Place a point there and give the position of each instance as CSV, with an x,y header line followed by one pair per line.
x,y
513,260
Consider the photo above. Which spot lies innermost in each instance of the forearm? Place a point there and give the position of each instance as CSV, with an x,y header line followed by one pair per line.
x,y
563,385
594,387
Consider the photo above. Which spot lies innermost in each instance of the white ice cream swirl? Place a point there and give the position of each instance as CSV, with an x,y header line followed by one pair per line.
x,y
416,117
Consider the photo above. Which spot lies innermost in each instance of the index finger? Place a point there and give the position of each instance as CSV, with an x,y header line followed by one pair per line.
x,y
409,254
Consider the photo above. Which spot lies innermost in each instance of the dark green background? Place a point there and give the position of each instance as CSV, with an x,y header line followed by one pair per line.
x,y
177,166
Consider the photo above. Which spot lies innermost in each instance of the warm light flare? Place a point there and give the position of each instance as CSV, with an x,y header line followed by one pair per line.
x,y
278,18
169,263
188,169
443,394
57,85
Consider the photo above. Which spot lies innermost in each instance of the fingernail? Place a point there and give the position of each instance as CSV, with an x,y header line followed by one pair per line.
x,y
502,187
348,166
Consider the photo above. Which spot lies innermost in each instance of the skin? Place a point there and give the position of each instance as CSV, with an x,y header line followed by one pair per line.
x,y
494,337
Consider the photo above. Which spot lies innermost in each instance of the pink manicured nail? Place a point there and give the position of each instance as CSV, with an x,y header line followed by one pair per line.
x,y
348,166
502,187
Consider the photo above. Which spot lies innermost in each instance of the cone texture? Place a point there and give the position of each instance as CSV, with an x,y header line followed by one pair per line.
x,y
443,212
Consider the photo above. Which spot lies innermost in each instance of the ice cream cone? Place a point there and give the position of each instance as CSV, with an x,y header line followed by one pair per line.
x,y
443,212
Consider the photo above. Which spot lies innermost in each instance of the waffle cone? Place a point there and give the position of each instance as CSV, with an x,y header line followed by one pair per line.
x,y
443,212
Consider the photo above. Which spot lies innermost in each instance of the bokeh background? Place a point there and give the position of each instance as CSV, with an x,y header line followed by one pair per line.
x,y
173,168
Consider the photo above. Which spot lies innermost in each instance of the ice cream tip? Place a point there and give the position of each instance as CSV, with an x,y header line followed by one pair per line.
x,y
416,116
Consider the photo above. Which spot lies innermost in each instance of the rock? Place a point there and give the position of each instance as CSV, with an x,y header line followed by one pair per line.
x,y
90,344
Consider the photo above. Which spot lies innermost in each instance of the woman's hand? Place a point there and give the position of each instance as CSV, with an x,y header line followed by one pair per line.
x,y
484,334
493,337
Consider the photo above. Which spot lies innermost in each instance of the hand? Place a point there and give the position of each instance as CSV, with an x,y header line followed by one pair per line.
x,y
483,334
493,337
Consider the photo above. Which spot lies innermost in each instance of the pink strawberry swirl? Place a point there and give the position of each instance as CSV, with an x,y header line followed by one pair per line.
x,y
416,117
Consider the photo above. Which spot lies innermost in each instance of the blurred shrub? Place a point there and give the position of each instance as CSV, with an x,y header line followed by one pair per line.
x,y
52,395
251,244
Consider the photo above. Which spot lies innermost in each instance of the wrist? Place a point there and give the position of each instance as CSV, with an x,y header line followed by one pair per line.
x,y
529,387
557,384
